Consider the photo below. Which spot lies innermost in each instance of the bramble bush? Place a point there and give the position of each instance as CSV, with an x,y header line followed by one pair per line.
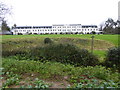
x,y
64,53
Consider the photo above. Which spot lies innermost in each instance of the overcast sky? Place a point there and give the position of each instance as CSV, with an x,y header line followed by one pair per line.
x,y
48,12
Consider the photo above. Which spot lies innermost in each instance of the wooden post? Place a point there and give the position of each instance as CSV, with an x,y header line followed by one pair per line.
x,y
92,44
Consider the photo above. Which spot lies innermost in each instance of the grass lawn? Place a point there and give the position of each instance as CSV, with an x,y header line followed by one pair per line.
x,y
113,39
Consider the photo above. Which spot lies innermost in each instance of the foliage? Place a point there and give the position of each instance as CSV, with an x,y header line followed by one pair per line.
x,y
20,34
5,26
14,52
111,26
93,32
36,84
51,69
64,53
47,41
40,84
113,57
94,83
12,79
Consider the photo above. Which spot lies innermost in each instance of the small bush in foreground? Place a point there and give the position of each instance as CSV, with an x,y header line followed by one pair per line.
x,y
48,70
113,57
64,53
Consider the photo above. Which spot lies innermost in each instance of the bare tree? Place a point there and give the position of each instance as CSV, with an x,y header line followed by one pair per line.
x,y
4,10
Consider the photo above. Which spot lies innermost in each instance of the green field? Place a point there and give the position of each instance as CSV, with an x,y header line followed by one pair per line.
x,y
25,72
111,39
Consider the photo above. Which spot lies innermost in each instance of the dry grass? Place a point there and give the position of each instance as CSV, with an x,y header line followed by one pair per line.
x,y
33,42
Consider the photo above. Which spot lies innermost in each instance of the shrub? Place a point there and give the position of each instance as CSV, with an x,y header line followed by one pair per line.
x,y
20,34
6,53
64,53
93,32
35,33
113,57
29,33
47,41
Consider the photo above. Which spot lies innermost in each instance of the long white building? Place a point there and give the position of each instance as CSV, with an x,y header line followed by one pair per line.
x,y
56,29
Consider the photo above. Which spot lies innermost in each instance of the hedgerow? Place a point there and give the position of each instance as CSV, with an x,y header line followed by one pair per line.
x,y
64,53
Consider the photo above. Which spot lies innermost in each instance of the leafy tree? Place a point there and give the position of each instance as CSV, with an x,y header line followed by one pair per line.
x,y
14,26
4,26
118,23
111,26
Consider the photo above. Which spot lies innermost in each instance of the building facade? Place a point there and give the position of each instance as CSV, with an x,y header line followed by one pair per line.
x,y
56,29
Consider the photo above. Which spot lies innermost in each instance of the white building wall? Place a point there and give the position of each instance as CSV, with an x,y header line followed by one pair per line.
x,y
57,29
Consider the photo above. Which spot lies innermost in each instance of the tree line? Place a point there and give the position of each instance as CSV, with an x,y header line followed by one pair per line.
x,y
111,27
